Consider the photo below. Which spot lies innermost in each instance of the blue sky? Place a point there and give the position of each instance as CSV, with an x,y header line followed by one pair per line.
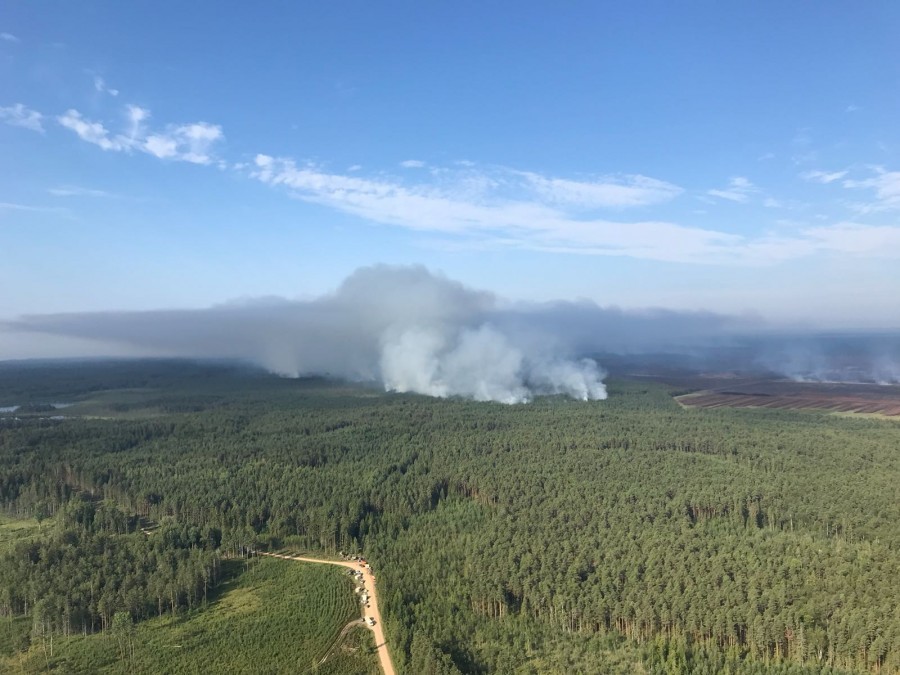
x,y
738,157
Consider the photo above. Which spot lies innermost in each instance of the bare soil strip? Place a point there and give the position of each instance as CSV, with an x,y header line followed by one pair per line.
x,y
847,398
829,403
380,643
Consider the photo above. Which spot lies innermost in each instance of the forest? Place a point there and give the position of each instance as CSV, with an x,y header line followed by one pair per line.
x,y
626,535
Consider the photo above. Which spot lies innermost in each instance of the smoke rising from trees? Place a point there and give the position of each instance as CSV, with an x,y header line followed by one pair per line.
x,y
405,327
416,331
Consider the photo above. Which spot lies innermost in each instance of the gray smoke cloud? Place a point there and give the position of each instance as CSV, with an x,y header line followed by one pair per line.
x,y
412,330
873,358
416,331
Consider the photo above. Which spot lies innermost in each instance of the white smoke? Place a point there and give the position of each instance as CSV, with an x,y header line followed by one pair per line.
x,y
835,358
478,362
581,379
475,363
409,329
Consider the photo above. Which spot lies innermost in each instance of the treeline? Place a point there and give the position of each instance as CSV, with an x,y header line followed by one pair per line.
x,y
515,537
94,564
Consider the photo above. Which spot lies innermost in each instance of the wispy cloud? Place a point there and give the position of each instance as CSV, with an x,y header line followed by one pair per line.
x,y
493,218
607,192
823,176
101,86
92,132
75,191
803,151
491,214
857,239
412,164
11,206
886,185
186,142
739,190
19,115
183,142
9,37
479,206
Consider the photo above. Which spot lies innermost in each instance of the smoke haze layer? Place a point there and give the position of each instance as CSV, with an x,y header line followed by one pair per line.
x,y
412,330
416,331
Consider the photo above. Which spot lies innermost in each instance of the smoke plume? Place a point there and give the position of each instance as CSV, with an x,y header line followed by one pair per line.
x,y
415,331
405,327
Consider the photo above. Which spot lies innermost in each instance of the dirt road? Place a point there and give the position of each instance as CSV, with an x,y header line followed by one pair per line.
x,y
380,643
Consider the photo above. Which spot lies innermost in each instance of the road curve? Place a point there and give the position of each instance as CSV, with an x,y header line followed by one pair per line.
x,y
380,643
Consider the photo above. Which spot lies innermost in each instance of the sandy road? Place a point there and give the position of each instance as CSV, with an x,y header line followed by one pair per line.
x,y
380,643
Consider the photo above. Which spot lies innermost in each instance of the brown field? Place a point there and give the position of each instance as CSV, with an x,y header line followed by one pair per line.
x,y
737,392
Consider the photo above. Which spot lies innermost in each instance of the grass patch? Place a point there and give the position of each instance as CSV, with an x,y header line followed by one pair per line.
x,y
355,654
13,530
277,616
14,632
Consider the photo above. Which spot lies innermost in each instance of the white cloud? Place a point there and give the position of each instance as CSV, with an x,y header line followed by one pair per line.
x,y
136,117
412,164
852,108
9,37
857,239
499,207
197,140
528,224
886,185
19,115
492,218
92,132
525,222
9,206
161,146
789,222
803,148
823,176
185,142
603,193
100,85
739,190
75,191
772,203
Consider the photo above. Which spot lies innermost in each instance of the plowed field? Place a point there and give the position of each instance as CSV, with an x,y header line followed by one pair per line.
x,y
826,396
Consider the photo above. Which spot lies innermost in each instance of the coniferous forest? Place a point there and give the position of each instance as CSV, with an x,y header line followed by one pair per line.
x,y
625,535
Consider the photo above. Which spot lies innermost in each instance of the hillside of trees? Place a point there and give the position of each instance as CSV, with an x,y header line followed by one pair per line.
x,y
557,536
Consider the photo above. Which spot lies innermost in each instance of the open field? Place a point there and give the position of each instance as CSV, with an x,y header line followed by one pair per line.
x,y
737,392
14,631
372,612
276,617
13,531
